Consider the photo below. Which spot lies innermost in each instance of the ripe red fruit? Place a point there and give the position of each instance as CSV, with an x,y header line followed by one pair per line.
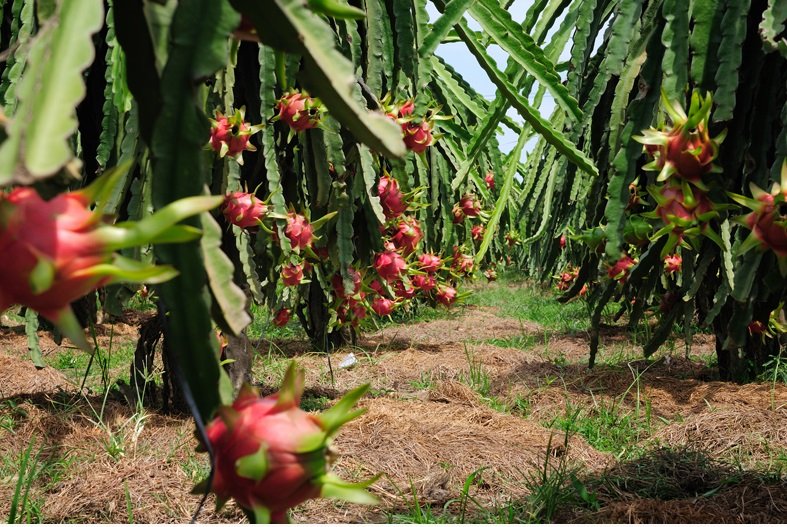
x,y
299,231
407,235
338,283
489,179
282,317
271,456
477,232
377,287
620,269
230,135
292,274
417,136
562,241
299,111
424,282
389,264
403,291
244,210
407,108
470,205
391,198
463,263
673,263
383,306
429,262
458,213
445,295
757,327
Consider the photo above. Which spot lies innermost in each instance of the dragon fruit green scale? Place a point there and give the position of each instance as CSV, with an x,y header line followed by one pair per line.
x,y
270,455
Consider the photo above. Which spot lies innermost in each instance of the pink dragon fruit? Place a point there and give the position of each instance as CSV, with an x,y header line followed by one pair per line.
x,y
391,198
458,214
407,109
377,287
244,210
619,270
673,263
282,317
338,283
445,295
389,264
417,136
429,262
383,306
424,282
407,235
489,179
477,232
270,455
299,111
404,291
59,250
463,263
292,274
229,136
684,152
562,241
470,205
299,231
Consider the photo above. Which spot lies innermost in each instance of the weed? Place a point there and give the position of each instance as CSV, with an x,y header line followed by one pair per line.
x,y
314,403
476,377
423,382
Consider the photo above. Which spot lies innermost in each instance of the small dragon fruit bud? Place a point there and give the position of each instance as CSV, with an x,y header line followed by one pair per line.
x,y
299,111
391,198
407,236
292,274
757,327
417,136
424,282
299,231
489,179
338,283
463,263
271,456
673,263
389,264
477,232
445,295
619,270
429,262
562,241
491,275
383,306
407,109
470,205
230,135
244,210
282,317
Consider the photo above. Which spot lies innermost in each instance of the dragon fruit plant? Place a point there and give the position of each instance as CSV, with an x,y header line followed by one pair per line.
x,y
60,250
269,455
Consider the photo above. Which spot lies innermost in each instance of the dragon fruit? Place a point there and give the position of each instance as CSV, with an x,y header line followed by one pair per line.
x,y
299,111
383,306
282,317
768,219
404,291
491,275
391,198
685,150
244,210
299,231
59,250
673,263
407,109
684,211
470,205
338,283
458,214
445,295
429,262
407,235
417,136
562,241
463,263
377,287
489,179
477,232
389,264
230,135
620,269
270,455
424,282
292,274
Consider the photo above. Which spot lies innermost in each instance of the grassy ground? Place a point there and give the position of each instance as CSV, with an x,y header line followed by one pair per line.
x,y
485,413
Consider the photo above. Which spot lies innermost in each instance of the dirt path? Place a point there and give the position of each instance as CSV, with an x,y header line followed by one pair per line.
x,y
445,403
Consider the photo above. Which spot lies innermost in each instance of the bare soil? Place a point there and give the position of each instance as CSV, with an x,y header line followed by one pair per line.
x,y
427,428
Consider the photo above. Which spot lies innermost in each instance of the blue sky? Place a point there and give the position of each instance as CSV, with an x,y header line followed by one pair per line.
x,y
457,55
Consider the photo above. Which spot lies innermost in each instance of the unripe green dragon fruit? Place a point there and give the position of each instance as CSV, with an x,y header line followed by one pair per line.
x,y
270,455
